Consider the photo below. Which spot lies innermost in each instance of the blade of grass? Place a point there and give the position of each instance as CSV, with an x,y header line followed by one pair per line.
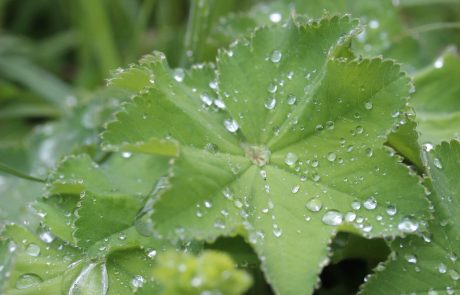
x,y
43,83
97,35
9,170
197,31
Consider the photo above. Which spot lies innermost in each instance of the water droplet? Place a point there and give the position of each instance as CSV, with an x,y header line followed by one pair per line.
x,y
356,205
369,152
314,205
122,236
442,268
27,280
391,210
408,225
231,125
454,275
350,216
439,63
272,87
291,99
219,103
152,253
330,125
276,56
452,257
275,17
33,250
270,103
179,74
277,232
332,217
368,105
331,157
295,189
206,99
370,203
411,258
428,146
316,177
437,163
126,155
137,281
208,204
47,237
290,159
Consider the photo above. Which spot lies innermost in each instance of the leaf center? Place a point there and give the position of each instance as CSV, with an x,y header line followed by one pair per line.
x,y
258,154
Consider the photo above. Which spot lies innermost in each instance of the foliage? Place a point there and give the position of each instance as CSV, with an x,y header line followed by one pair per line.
x,y
265,147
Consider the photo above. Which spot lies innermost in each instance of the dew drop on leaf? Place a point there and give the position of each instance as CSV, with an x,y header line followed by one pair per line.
x,y
332,217
276,56
411,258
231,125
28,280
291,99
331,157
295,189
442,268
151,253
407,225
391,210
437,163
179,74
368,105
454,275
137,281
47,237
290,159
350,216
33,250
275,17
370,203
314,205
272,87
277,232
206,99
126,155
270,103
356,205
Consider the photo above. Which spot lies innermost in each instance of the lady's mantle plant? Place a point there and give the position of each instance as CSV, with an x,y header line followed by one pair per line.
x,y
282,141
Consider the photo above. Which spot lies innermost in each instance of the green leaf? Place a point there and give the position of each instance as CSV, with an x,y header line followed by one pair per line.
x,y
48,265
101,195
436,100
303,126
429,264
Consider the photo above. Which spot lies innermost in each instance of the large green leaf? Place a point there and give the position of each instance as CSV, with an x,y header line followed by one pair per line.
x,y
93,207
99,194
429,264
286,152
50,266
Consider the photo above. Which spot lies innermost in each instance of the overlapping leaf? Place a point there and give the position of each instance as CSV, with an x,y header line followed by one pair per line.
x,y
288,150
93,207
429,264
437,100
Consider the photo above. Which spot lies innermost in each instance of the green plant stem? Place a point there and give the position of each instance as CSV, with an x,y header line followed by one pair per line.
x,y
9,170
